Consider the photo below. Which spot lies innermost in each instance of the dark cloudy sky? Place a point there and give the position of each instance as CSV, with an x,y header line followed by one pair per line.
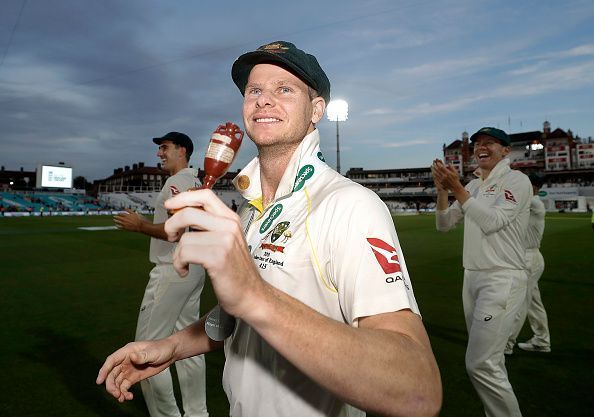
x,y
89,83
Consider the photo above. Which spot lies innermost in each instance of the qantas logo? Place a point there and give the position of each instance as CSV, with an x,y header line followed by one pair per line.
x,y
386,255
174,190
509,196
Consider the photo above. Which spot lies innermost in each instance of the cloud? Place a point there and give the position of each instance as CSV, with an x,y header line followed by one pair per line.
x,y
424,109
445,68
401,144
98,80
581,50
554,80
528,69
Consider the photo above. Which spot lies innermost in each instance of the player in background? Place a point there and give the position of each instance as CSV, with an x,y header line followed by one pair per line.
x,y
495,209
533,306
170,302
319,331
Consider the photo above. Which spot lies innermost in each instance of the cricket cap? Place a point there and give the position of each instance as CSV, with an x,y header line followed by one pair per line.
x,y
288,56
178,138
495,133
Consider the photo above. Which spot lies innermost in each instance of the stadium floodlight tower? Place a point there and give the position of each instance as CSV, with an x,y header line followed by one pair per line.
x,y
338,110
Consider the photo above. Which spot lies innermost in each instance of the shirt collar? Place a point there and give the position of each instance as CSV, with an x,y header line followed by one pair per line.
x,y
498,170
247,182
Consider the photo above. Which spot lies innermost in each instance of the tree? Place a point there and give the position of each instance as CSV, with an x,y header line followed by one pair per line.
x,y
80,183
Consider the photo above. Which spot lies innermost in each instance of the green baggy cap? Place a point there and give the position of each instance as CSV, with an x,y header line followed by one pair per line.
x,y
495,133
288,56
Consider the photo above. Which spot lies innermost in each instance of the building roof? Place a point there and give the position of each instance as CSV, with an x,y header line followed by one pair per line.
x,y
122,172
558,133
16,174
455,144
526,136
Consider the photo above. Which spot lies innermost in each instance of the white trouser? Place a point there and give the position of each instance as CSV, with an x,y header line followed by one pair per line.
x,y
172,303
533,306
491,302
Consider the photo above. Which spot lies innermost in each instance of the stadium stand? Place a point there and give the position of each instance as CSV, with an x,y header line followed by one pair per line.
x,y
122,201
38,202
564,160
388,190
145,201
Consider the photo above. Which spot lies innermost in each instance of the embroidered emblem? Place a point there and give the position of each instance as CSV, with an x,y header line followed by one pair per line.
x,y
243,182
279,231
274,47
287,235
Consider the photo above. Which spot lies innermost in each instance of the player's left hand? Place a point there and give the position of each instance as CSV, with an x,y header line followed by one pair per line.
x,y
217,243
129,221
132,363
445,176
437,163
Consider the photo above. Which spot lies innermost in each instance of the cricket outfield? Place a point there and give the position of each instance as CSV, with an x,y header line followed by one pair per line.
x,y
70,297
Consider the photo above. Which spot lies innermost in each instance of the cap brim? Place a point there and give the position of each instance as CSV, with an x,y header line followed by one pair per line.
x,y
158,141
242,67
473,138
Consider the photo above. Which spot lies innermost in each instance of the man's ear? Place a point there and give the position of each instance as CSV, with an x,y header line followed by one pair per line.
x,y
183,152
319,106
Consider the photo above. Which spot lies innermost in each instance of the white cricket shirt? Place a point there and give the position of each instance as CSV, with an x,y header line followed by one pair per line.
x,y
161,251
495,219
536,223
331,244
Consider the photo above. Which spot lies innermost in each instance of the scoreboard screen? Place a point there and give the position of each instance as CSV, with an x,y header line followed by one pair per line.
x,y
54,177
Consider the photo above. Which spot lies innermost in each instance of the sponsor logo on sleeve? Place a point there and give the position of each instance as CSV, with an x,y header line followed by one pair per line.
x,y
509,196
386,255
321,156
174,190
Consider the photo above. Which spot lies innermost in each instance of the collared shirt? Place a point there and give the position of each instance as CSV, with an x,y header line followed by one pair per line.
x,y
331,244
161,251
495,219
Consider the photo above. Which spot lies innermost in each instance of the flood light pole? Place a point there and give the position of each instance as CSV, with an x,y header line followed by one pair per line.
x,y
338,111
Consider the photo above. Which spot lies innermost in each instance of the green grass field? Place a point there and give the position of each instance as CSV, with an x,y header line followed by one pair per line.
x,y
70,297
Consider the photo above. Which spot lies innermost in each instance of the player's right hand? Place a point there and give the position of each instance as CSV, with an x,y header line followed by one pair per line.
x,y
132,363
129,220
218,244
437,174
